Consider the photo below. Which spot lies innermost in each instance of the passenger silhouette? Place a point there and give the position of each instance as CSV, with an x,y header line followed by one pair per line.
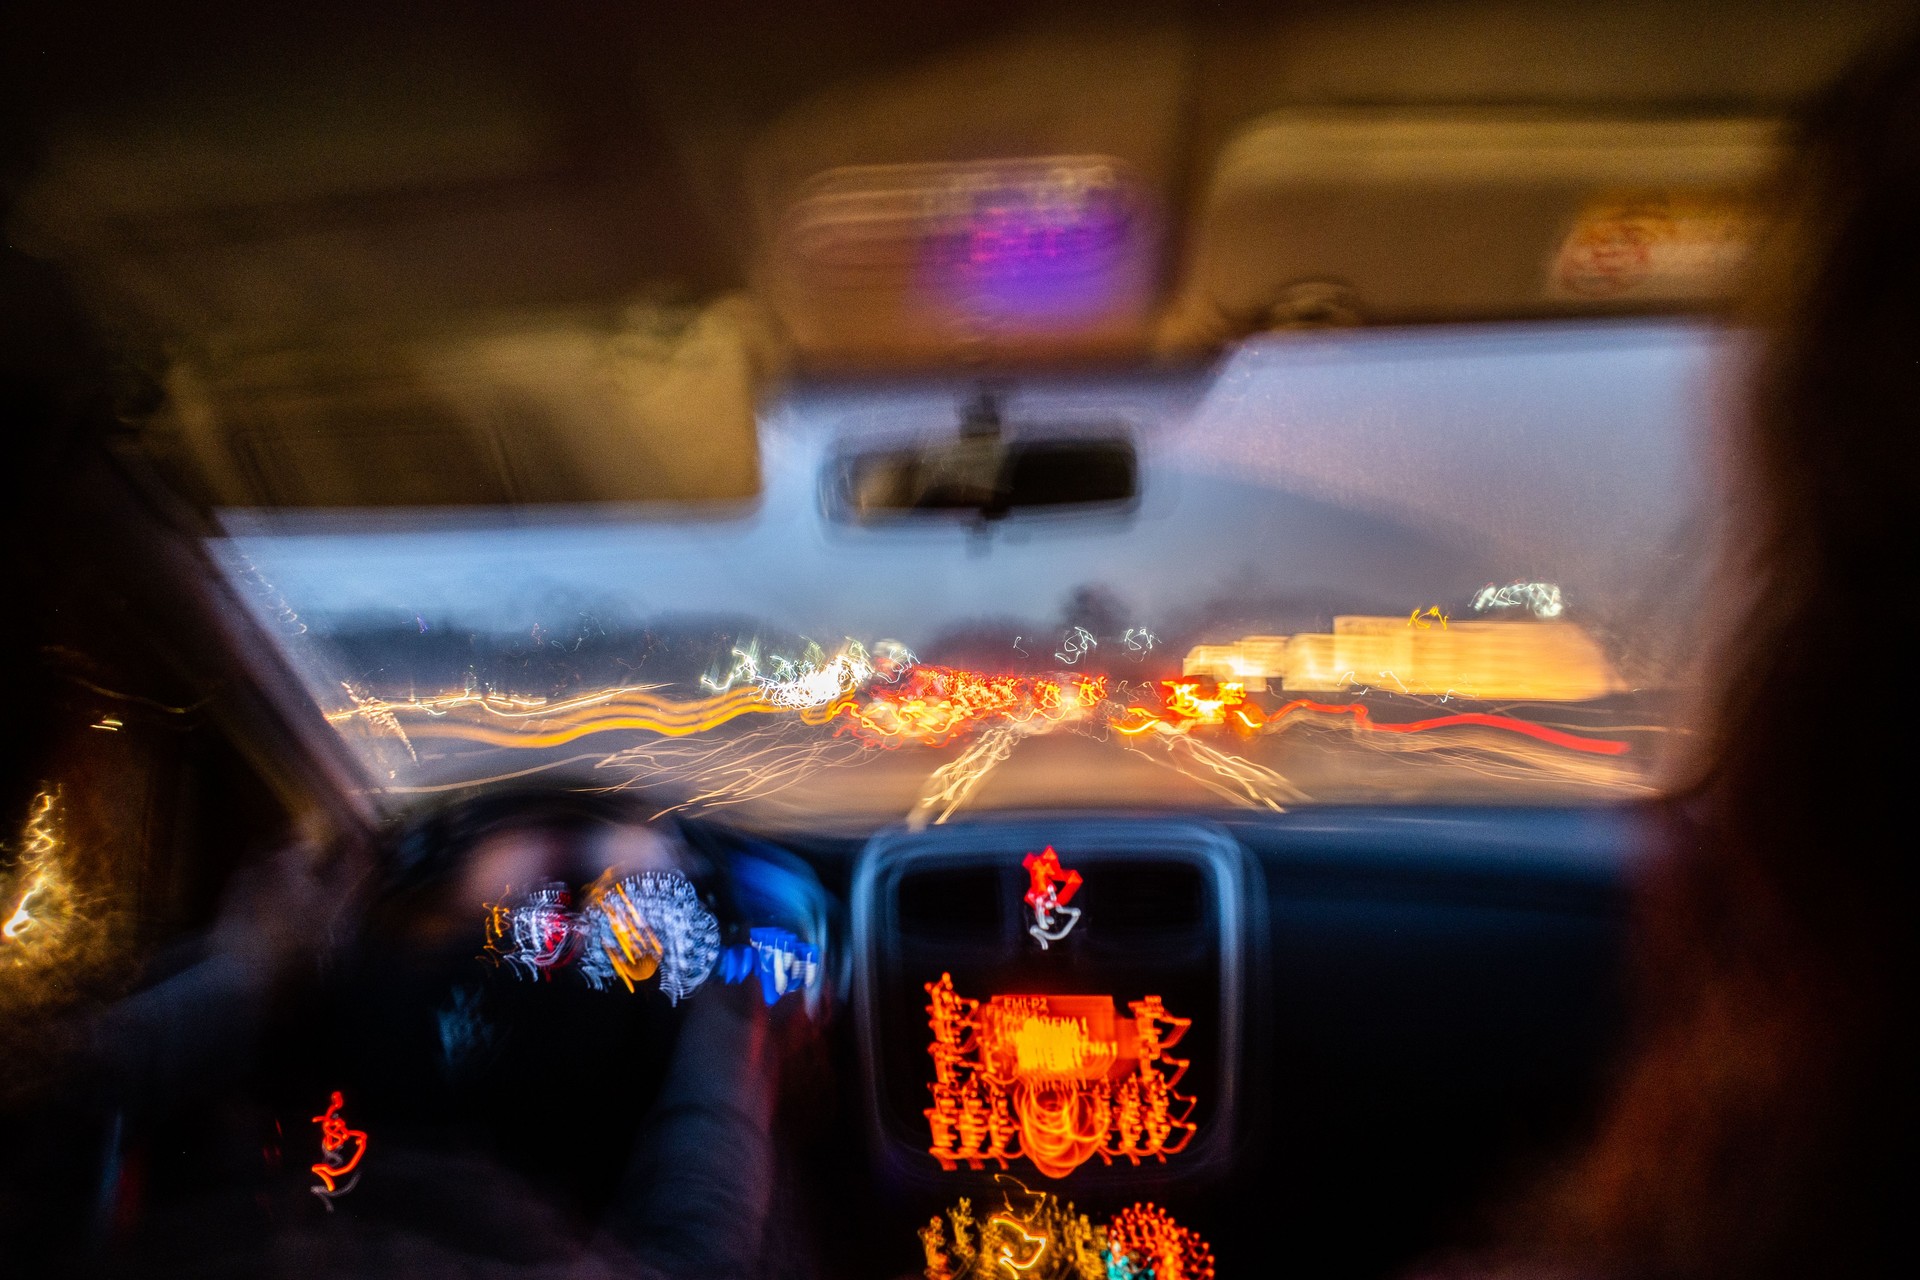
x,y
1761,1121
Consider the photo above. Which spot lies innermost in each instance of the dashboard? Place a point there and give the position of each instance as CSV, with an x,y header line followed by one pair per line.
x,y
1038,1043
1328,1037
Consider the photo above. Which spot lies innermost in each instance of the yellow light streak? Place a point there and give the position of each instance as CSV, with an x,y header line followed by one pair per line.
x,y
39,844
1006,1258
53,939
1042,1236
640,951
500,721
21,920
504,705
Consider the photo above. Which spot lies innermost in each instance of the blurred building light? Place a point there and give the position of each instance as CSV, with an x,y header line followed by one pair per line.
x,y
1541,661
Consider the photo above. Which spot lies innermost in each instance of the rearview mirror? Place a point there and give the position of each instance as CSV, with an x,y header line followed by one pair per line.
x,y
981,473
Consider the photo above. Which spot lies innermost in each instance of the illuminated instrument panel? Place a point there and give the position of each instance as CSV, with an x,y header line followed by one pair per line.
x,y
1008,1033
1056,1080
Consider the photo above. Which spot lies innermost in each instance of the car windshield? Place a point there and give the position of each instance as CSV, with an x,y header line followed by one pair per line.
x,y
1424,565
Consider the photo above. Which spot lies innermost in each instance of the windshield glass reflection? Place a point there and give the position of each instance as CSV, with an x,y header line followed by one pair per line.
x,y
1450,564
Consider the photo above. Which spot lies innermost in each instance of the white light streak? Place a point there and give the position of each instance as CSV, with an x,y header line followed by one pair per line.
x,y
1542,598
1078,643
22,919
948,787
809,682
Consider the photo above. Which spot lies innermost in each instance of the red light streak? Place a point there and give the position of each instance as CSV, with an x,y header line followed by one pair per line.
x,y
1184,700
1061,1126
1148,1242
334,1135
1544,733
1186,706
935,705
1044,872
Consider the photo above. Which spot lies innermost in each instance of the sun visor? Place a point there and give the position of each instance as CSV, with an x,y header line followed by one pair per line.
x,y
654,405
1387,216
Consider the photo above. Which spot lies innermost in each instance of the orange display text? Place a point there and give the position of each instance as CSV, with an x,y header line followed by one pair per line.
x,y
1056,1080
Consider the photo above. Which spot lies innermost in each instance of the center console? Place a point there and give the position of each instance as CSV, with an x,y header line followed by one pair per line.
x,y
1058,999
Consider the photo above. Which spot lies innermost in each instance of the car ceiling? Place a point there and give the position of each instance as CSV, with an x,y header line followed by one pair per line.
x,y
541,237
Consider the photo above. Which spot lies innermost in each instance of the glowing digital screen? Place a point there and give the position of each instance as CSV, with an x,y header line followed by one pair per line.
x,y
1054,1080
1546,659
